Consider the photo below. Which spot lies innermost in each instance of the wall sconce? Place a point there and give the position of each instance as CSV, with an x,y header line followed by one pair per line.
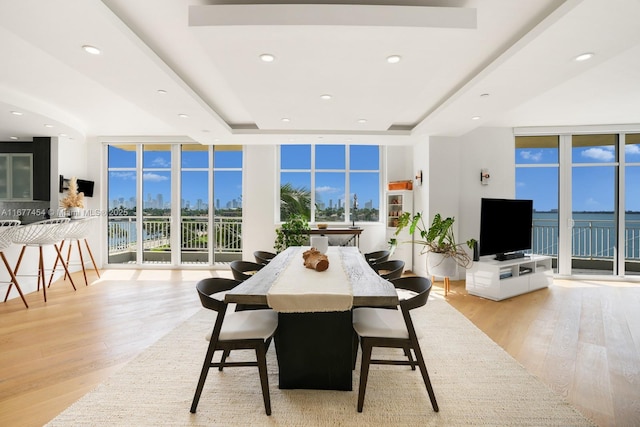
x,y
484,176
419,178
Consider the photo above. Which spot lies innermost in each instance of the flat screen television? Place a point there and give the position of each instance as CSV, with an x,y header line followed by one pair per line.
x,y
505,227
85,187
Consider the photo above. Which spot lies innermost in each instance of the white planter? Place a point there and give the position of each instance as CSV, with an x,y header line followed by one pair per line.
x,y
441,266
75,213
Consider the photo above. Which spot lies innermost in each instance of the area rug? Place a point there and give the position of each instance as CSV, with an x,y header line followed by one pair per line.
x,y
475,381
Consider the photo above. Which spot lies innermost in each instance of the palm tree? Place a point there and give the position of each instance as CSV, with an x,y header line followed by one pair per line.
x,y
294,201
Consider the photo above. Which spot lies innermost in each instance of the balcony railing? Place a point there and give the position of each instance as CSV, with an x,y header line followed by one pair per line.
x,y
591,240
156,234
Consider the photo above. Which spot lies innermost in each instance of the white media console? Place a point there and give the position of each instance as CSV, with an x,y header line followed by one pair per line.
x,y
498,280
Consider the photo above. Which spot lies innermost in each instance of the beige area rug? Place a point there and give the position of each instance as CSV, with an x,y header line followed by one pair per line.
x,y
476,383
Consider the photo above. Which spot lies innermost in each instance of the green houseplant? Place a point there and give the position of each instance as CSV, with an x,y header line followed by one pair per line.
x,y
293,232
437,239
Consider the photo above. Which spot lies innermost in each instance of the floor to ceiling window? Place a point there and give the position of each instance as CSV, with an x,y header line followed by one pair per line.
x,y
330,183
161,203
588,199
156,203
632,204
537,175
594,204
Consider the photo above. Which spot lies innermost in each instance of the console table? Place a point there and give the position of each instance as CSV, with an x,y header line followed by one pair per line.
x,y
498,280
354,240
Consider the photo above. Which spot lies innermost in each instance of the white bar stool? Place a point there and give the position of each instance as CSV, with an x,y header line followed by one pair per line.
x,y
78,230
49,232
7,229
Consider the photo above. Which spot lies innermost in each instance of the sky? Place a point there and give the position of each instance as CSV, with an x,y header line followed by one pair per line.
x,y
593,178
228,174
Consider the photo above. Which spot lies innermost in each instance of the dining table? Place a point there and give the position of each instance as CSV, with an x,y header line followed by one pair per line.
x,y
315,341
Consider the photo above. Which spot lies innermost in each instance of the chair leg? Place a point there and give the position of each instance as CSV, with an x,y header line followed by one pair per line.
x,y
407,352
364,371
14,280
354,349
261,356
425,377
203,375
225,354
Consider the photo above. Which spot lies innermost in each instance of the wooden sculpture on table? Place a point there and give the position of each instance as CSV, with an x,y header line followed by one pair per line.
x,y
315,260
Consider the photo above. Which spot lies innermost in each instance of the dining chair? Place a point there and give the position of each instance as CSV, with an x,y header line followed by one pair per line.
x,y
263,257
7,229
242,270
390,269
377,256
379,327
243,330
49,232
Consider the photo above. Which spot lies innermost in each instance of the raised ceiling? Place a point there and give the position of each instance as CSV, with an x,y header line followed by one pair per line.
x,y
503,62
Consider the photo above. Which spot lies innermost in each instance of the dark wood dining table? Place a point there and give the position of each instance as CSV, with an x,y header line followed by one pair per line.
x,y
315,343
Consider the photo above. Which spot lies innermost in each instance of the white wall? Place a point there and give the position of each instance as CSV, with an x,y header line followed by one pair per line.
x,y
493,149
259,206
452,187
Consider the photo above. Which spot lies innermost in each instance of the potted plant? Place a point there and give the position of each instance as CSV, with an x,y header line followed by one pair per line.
x,y
74,200
293,232
438,242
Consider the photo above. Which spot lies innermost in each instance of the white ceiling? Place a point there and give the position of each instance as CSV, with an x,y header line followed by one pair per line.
x,y
514,67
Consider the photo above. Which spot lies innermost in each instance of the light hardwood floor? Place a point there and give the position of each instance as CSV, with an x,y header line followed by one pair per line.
x,y
581,338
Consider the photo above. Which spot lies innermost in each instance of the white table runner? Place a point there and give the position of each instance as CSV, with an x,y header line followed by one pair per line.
x,y
298,289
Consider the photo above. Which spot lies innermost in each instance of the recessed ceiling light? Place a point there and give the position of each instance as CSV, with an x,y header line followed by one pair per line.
x,y
13,137
325,96
475,118
285,119
183,116
393,59
584,56
91,49
362,120
267,57
47,125
162,91
16,113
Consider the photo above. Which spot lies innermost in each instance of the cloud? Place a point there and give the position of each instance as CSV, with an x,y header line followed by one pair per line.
x,y
327,189
159,162
529,155
632,149
123,175
599,154
154,177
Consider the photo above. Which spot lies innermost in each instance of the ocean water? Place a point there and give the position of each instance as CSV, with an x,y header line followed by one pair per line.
x,y
593,236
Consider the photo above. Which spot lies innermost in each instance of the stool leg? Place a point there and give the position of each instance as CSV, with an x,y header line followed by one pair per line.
x,y
15,271
84,272
447,289
41,274
65,266
14,280
55,267
95,267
